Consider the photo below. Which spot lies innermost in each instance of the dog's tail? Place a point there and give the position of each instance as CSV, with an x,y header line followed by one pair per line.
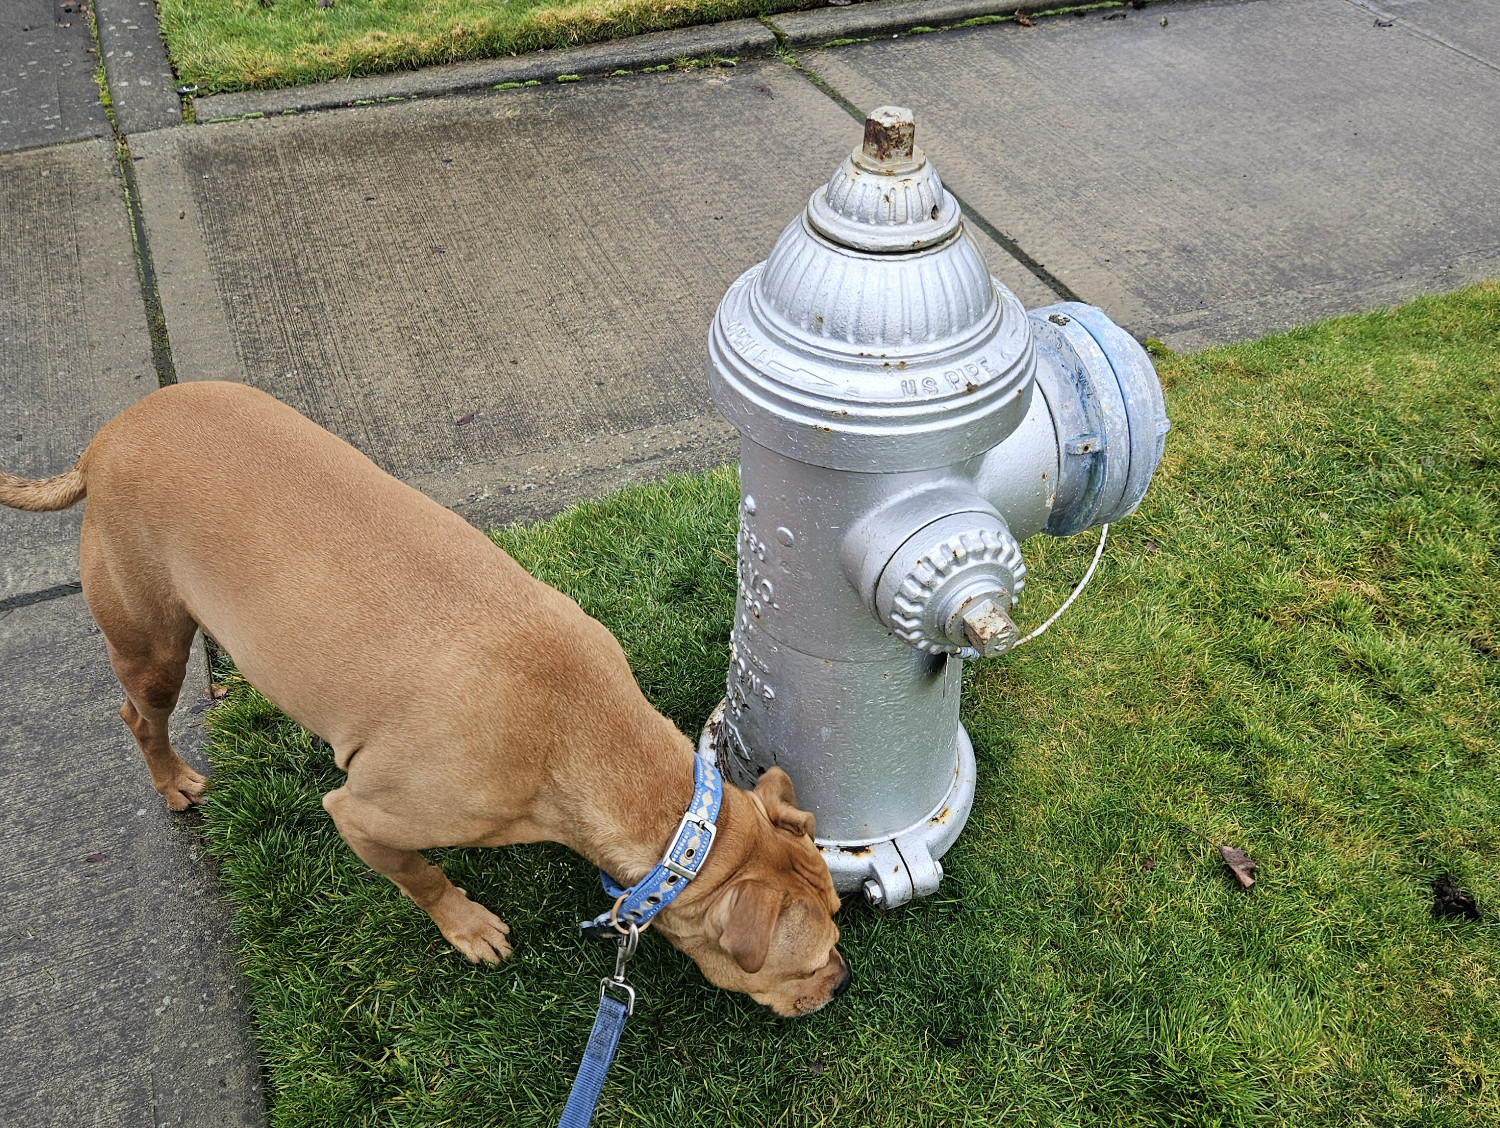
x,y
43,494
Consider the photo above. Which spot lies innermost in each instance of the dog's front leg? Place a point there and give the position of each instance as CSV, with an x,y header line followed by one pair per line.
x,y
470,927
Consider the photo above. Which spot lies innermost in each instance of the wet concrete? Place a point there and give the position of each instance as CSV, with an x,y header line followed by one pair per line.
x,y
47,89
122,1000
73,344
542,263
1249,167
142,87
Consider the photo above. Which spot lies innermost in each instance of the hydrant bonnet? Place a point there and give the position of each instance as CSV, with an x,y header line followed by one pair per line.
x,y
834,352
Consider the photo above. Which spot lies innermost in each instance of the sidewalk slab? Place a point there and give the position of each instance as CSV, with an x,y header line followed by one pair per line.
x,y
141,83
540,264
1468,27
74,349
122,997
730,39
47,89
1249,167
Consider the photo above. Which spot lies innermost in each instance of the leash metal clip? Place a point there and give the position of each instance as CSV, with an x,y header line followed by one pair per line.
x,y
624,948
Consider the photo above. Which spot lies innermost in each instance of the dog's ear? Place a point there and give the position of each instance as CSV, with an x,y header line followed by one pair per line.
x,y
747,919
774,790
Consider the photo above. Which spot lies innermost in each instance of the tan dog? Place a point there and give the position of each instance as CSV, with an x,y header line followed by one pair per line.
x,y
470,704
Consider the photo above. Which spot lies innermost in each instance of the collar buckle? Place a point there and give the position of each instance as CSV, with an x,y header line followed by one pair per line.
x,y
683,858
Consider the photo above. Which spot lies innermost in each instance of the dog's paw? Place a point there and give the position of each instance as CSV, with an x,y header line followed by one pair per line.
x,y
471,928
183,790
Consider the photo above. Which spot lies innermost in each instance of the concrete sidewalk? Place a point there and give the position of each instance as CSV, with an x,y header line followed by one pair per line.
x,y
503,298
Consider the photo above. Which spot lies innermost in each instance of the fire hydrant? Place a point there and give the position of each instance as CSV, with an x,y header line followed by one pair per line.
x,y
904,424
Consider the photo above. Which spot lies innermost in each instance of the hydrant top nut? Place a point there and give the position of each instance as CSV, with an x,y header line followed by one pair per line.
x,y
890,136
886,198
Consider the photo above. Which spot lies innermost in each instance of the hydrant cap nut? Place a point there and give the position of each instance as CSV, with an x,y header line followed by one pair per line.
x,y
943,570
989,629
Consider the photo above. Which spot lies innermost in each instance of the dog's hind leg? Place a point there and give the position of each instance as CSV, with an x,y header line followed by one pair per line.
x,y
470,927
149,638
152,677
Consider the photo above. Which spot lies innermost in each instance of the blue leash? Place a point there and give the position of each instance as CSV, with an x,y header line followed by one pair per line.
x,y
604,1039
632,911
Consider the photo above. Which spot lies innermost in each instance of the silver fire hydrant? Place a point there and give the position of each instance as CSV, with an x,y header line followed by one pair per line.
x,y
905,424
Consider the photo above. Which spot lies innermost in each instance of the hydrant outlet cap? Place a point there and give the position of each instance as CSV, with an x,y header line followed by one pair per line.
x,y
885,198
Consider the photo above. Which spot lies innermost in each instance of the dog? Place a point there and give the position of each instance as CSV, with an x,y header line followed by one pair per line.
x,y
467,703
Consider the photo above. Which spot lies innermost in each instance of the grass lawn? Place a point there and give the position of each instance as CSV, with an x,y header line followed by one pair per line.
x,y
239,44
235,44
1290,648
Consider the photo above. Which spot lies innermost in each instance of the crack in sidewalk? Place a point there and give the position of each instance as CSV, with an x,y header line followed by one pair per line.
x,y
1009,243
145,267
1394,19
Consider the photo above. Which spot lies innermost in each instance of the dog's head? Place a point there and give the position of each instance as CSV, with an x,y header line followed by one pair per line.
x,y
766,928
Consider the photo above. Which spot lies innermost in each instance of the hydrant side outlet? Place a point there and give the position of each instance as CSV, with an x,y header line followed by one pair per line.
x,y
905,425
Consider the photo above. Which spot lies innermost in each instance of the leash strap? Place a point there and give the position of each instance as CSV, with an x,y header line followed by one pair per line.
x,y
609,1024
632,911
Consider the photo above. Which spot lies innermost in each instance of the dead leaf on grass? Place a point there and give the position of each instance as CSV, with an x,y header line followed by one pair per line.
x,y
217,691
1241,864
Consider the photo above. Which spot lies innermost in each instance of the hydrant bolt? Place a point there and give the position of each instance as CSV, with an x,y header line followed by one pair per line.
x,y
990,630
905,424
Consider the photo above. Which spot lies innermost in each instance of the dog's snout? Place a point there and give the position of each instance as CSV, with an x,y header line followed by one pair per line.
x,y
843,981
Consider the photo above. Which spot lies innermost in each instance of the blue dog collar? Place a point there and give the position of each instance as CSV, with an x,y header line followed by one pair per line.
x,y
679,865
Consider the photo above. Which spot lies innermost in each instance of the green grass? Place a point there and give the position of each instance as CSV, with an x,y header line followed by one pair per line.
x,y
237,44
1290,648
220,45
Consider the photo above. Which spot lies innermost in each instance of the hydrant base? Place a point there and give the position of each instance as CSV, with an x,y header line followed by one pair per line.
x,y
895,869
